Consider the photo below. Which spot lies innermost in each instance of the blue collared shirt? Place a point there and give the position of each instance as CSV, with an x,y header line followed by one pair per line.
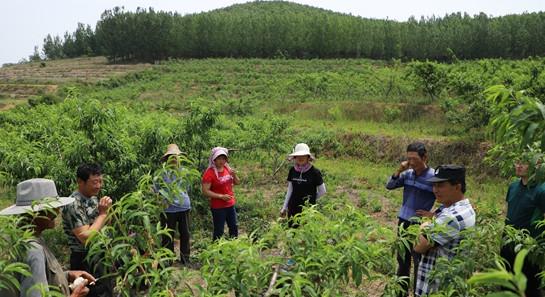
x,y
175,191
417,192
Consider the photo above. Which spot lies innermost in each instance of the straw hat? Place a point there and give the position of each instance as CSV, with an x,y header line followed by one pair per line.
x,y
34,195
172,149
301,149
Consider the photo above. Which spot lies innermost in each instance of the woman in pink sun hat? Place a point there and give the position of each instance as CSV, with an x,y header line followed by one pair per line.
x,y
305,182
217,185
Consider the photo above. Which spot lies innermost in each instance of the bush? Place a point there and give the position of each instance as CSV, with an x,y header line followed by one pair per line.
x,y
53,140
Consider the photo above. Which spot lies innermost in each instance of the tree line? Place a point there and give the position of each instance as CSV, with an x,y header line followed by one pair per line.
x,y
280,29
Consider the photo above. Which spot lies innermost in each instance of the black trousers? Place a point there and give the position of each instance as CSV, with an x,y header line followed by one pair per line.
x,y
404,258
220,216
529,269
177,221
104,286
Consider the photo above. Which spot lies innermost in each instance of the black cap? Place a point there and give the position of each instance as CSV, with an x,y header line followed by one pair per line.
x,y
448,172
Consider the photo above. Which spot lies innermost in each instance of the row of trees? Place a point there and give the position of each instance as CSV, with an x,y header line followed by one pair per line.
x,y
282,29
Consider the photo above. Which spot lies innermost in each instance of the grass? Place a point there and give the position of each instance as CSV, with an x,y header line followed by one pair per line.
x,y
330,98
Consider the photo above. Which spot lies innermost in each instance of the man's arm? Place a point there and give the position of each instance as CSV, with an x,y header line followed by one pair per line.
x,y
423,245
397,179
82,233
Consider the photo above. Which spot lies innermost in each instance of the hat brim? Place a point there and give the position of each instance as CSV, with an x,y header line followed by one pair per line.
x,y
166,156
436,179
220,154
293,155
15,209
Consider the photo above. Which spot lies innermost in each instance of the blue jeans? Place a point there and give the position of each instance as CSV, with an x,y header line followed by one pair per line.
x,y
222,215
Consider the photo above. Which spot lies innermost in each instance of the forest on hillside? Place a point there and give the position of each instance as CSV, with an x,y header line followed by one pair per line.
x,y
278,29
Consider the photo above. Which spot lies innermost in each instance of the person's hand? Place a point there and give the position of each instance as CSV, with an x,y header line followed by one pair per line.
x,y
233,172
402,167
104,204
283,212
424,225
424,213
80,291
73,274
226,197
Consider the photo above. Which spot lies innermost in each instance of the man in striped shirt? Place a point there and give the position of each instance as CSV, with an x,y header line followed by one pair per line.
x,y
418,198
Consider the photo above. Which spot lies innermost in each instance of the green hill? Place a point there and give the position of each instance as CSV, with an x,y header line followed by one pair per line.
x,y
278,29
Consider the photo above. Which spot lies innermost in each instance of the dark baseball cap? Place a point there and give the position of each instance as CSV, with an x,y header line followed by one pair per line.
x,y
448,172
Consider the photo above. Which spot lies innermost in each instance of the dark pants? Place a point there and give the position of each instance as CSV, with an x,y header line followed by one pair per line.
x,y
222,215
103,287
181,221
404,258
529,269
296,209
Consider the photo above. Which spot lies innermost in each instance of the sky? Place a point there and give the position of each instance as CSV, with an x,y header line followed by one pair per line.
x,y
25,23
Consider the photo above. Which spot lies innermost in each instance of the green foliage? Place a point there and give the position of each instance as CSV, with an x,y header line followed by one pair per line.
x,y
53,140
236,265
337,245
515,282
518,127
260,109
430,76
13,247
130,248
279,29
392,114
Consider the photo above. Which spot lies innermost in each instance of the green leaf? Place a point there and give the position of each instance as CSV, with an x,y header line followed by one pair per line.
x,y
529,134
519,261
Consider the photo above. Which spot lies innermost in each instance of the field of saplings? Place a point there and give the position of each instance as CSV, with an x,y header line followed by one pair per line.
x,y
356,115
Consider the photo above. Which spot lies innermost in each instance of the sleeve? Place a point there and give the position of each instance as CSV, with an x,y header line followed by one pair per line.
x,y
508,192
396,182
72,218
208,176
540,198
31,285
290,176
320,190
288,195
155,187
444,230
319,178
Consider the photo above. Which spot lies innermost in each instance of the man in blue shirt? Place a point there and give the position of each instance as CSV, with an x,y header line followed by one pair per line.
x,y
418,199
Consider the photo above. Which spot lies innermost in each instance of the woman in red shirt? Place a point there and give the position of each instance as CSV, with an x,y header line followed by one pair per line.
x,y
217,185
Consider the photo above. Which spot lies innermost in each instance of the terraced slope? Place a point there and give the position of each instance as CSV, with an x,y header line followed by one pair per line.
x,y
21,81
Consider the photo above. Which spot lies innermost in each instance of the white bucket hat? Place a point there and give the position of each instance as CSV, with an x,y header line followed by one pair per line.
x,y
301,149
34,195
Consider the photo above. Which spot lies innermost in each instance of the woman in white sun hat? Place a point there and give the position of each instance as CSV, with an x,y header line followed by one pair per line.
x,y
38,200
305,182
